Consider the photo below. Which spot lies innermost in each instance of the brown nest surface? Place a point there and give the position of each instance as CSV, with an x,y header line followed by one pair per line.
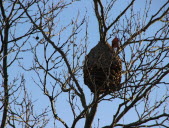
x,y
102,69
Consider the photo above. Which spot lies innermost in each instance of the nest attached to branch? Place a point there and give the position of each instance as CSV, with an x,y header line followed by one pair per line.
x,y
102,69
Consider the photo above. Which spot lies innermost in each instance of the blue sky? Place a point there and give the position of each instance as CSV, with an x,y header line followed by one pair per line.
x,y
106,109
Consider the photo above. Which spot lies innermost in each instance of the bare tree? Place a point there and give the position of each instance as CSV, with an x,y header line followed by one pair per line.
x,y
58,49
16,104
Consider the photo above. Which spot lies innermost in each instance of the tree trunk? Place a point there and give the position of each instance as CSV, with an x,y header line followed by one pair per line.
x,y
5,75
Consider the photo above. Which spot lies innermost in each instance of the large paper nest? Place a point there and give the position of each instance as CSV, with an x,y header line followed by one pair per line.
x,y
102,69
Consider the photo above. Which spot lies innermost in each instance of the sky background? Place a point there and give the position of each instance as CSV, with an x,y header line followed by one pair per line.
x,y
105,109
